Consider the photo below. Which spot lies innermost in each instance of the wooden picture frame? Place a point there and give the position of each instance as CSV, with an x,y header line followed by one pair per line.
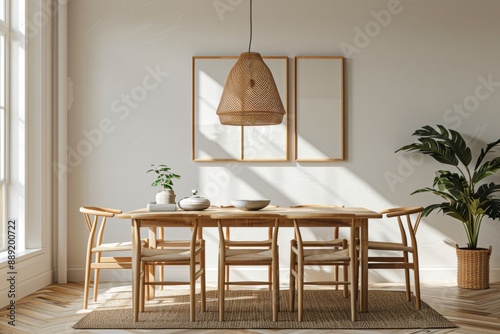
x,y
319,108
212,141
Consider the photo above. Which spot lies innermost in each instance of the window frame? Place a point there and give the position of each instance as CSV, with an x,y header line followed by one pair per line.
x,y
5,28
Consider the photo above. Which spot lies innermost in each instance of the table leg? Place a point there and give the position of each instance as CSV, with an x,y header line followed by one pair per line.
x,y
150,272
364,266
136,244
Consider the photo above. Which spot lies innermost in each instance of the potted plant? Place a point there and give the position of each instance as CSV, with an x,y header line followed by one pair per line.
x,y
466,195
164,178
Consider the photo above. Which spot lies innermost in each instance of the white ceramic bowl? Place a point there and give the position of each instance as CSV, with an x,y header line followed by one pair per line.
x,y
250,204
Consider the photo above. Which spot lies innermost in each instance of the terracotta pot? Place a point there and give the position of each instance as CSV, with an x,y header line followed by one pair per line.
x,y
473,268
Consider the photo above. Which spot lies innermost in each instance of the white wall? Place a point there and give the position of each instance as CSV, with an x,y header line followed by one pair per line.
x,y
411,68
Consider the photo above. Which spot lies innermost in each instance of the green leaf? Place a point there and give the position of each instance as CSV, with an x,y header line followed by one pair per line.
x,y
456,210
487,190
433,148
454,184
492,209
450,138
164,176
445,146
428,209
487,169
489,204
458,145
485,151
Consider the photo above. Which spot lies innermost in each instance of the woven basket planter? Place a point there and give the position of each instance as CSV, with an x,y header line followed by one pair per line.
x,y
473,268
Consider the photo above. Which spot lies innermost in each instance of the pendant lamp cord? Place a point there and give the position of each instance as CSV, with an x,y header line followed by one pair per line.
x,y
250,42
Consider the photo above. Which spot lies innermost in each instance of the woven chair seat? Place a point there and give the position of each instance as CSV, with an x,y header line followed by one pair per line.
x,y
324,255
246,254
172,243
113,247
323,243
389,246
245,243
166,255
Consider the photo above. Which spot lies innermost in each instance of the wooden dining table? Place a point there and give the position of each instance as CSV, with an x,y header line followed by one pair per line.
x,y
154,219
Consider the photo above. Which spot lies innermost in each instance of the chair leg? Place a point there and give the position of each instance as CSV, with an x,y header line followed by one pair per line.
x,y
300,289
336,267
203,285
407,277
161,275
270,277
276,288
293,266
407,285
417,282
346,279
87,281
96,283
192,293
270,268
354,294
150,277
136,291
278,283
336,276
222,284
145,272
227,278
353,266
142,287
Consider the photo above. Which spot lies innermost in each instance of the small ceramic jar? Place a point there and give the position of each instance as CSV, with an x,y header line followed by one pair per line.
x,y
194,203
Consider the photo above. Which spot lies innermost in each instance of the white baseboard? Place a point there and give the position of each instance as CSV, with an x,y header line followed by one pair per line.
x,y
24,286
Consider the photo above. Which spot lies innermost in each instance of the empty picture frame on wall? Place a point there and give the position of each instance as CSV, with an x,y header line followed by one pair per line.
x,y
212,141
319,108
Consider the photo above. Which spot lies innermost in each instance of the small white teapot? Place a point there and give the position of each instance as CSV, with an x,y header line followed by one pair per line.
x,y
194,203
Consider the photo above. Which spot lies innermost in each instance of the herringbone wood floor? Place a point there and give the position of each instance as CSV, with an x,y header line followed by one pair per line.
x,y
56,308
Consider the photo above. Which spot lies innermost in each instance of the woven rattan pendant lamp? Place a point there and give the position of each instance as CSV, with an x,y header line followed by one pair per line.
x,y
250,96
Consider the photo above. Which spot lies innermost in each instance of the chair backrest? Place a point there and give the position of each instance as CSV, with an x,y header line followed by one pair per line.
x,y
95,218
328,219
185,220
336,228
413,214
247,220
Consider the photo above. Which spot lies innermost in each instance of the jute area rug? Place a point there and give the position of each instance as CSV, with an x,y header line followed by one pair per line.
x,y
251,309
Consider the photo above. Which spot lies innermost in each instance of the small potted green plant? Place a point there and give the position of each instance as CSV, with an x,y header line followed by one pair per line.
x,y
164,178
465,195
